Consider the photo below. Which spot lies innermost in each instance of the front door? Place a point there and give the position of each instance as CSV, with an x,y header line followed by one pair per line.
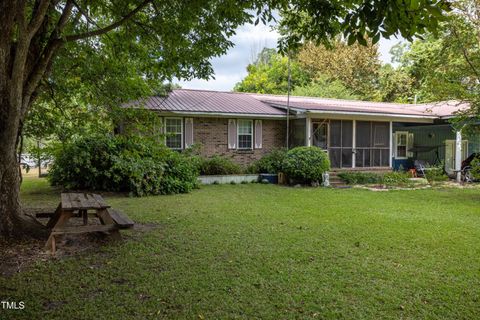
x,y
320,134
340,146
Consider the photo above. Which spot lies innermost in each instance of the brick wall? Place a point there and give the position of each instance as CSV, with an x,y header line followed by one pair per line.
x,y
212,135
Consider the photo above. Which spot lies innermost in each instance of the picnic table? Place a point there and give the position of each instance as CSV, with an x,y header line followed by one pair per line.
x,y
84,205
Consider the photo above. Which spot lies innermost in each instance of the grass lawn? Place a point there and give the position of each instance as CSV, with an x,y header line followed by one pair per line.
x,y
268,252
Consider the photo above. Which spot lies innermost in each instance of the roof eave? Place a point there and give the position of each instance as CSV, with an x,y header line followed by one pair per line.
x,y
224,114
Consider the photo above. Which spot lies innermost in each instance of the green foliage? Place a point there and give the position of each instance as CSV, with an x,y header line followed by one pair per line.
x,y
475,170
355,67
270,163
395,85
306,164
435,173
357,21
218,165
360,177
396,178
325,88
127,164
272,76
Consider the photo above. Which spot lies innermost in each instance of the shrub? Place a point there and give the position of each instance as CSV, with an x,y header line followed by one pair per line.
x,y
217,165
127,164
396,178
270,163
360,177
475,168
306,164
436,173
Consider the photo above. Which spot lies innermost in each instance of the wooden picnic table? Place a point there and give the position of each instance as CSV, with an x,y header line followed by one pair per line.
x,y
82,205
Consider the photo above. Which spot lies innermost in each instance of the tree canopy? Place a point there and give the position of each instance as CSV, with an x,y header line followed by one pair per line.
x,y
95,43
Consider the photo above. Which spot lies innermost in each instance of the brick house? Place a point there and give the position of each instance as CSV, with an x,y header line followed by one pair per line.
x,y
356,134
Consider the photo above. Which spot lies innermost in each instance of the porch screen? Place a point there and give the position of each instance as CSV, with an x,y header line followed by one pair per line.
x,y
372,144
340,148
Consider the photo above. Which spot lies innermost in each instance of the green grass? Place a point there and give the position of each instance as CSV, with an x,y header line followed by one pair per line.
x,y
269,252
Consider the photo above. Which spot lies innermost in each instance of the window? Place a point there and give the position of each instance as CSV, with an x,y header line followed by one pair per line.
x,y
402,141
174,133
245,134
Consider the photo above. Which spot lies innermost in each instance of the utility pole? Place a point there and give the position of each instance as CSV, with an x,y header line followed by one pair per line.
x,y
288,100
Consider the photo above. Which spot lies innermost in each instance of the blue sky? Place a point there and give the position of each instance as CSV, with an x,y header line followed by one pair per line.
x,y
250,39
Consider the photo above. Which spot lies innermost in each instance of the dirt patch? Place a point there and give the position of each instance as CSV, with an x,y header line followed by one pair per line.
x,y
18,256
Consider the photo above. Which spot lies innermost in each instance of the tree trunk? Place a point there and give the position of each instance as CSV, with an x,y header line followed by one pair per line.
x,y
13,223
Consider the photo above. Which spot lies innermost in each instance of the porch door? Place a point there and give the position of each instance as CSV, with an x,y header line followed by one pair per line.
x,y
372,144
320,134
340,143
450,154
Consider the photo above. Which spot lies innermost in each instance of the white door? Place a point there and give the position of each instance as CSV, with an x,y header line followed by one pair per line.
x,y
450,154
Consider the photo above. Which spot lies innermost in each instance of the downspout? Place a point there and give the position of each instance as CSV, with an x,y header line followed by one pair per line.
x,y
458,155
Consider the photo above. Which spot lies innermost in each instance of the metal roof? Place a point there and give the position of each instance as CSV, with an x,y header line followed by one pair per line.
x,y
203,101
434,110
218,102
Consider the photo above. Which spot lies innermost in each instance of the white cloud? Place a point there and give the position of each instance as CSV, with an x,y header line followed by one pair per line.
x,y
231,68
249,40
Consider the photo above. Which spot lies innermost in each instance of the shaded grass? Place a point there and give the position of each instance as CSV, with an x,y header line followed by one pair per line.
x,y
269,252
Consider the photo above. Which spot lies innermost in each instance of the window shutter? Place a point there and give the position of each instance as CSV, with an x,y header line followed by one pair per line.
x,y
232,134
258,134
409,145
188,132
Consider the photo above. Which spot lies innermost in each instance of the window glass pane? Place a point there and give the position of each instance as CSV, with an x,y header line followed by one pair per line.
x,y
401,151
174,141
402,139
173,125
244,127
244,141
245,134
173,131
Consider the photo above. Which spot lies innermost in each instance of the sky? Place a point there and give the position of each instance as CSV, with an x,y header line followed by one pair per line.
x,y
249,40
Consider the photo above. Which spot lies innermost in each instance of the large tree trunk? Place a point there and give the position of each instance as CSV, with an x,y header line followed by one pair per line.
x,y
13,223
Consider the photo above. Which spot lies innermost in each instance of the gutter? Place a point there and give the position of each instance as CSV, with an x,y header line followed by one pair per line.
x,y
396,115
224,114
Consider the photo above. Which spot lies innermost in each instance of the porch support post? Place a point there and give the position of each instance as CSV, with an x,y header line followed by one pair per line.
x,y
390,159
308,131
458,155
354,142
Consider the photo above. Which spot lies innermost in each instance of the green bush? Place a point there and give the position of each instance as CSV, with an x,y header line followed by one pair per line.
x,y
217,165
360,177
306,164
436,173
126,164
270,163
396,178
475,168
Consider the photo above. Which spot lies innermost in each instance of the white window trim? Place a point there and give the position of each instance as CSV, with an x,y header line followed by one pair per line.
x,y
251,134
181,132
397,133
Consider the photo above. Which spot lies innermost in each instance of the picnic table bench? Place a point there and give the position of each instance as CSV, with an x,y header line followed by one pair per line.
x,y
82,205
